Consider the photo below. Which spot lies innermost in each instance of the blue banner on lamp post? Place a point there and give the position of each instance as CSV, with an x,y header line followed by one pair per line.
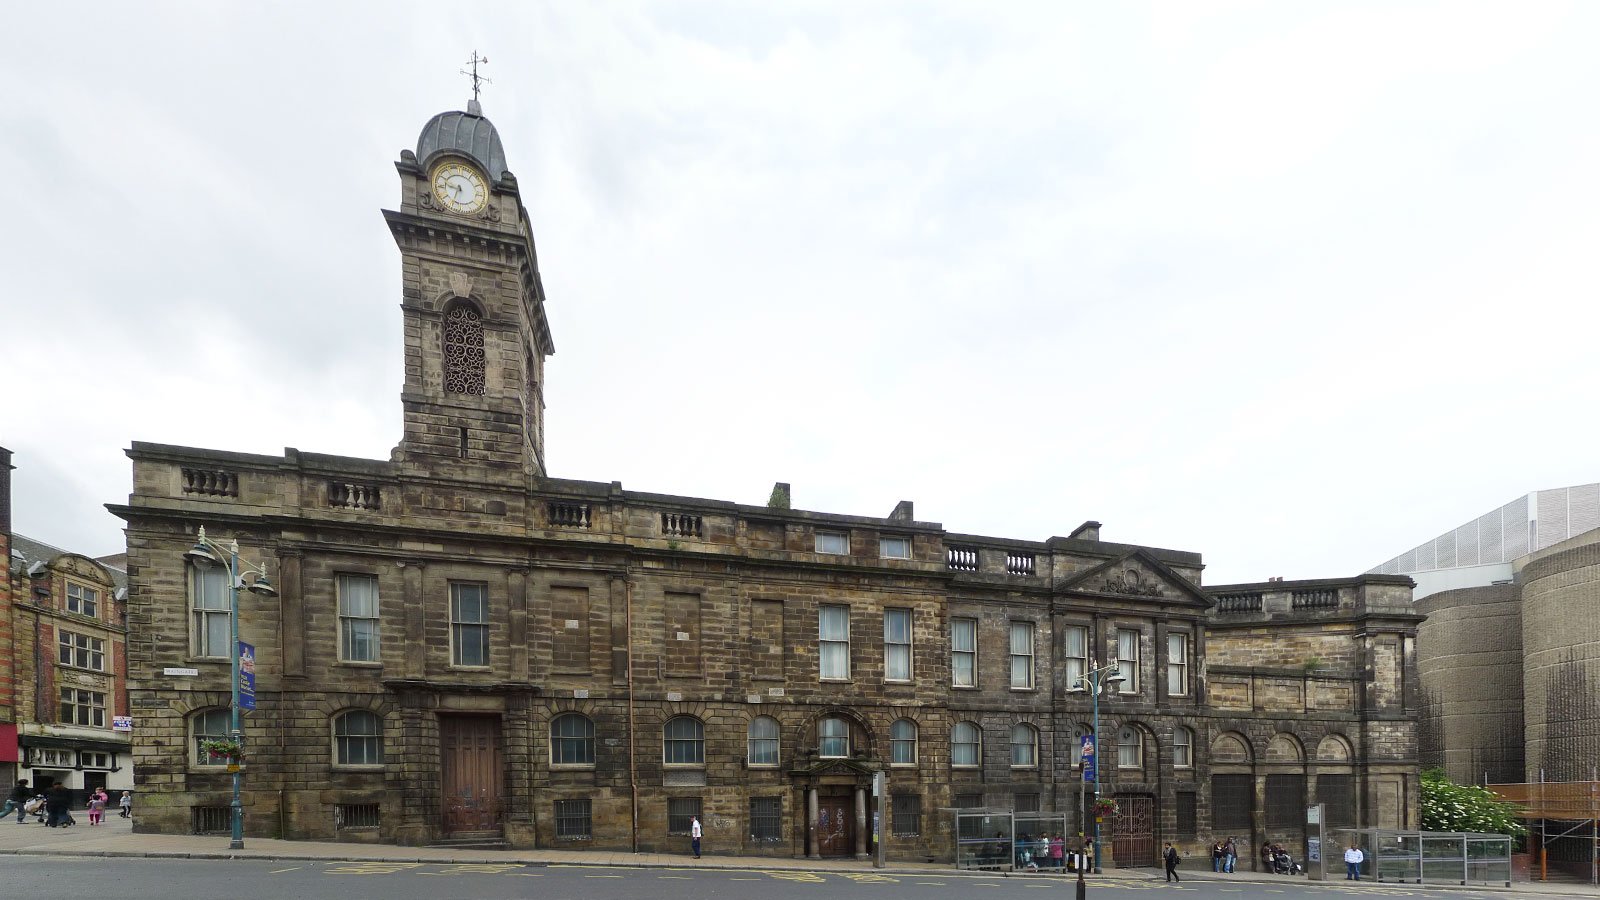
x,y
1088,758
247,676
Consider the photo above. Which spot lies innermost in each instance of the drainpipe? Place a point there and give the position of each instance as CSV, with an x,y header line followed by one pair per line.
x,y
633,758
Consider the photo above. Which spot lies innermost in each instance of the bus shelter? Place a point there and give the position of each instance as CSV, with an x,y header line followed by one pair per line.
x,y
1427,857
1002,840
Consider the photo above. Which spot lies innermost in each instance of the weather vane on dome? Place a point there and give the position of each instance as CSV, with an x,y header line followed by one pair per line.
x,y
477,79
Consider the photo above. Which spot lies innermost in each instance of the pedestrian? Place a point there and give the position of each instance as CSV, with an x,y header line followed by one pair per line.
x,y
1058,847
1230,855
1088,854
17,799
1216,857
97,808
694,835
1171,859
1353,858
126,803
57,806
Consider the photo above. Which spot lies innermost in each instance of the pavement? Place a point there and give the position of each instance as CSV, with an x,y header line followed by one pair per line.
x,y
116,838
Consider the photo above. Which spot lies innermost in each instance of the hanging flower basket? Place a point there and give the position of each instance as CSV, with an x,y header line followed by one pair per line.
x,y
1105,807
229,750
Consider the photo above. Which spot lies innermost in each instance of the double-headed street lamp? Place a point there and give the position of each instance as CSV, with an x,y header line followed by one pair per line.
x,y
1093,681
205,554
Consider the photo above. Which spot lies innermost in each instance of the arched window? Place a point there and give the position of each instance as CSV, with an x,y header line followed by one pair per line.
x,y
1130,747
463,350
833,738
358,739
964,744
1182,748
903,743
571,740
211,725
1024,746
684,742
763,747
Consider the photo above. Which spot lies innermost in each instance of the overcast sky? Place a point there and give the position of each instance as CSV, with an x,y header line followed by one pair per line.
x,y
1294,285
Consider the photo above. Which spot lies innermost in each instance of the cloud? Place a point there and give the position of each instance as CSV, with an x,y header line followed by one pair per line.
x,y
1294,286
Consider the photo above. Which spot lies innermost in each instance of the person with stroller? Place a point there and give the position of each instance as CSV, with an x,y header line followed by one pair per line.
x,y
58,807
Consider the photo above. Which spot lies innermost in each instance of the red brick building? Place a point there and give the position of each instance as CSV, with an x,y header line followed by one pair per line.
x,y
63,664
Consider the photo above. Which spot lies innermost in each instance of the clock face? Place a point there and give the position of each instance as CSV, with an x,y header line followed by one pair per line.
x,y
459,188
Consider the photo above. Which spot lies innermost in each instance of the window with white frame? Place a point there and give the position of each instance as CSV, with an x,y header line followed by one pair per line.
x,y
469,624
836,542
210,725
571,740
1024,746
1128,659
894,547
1130,748
763,742
358,617
1075,654
903,743
964,652
1182,748
95,760
683,742
80,707
1177,664
358,738
965,744
833,738
208,599
833,642
897,645
1022,654
83,600
82,651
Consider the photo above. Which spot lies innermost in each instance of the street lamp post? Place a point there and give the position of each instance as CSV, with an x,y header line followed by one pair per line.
x,y
206,553
1092,681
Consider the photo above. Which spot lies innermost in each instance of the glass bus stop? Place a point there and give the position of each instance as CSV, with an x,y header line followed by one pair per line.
x,y
1426,857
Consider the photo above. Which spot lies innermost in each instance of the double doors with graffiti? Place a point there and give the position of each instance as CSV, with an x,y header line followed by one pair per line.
x,y
836,826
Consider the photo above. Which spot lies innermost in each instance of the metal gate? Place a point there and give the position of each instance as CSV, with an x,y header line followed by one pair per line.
x,y
1133,832
469,756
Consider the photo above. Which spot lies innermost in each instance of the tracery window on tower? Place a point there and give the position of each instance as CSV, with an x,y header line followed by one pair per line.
x,y
463,350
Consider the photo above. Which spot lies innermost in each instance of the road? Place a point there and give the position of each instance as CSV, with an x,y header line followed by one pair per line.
x,y
71,878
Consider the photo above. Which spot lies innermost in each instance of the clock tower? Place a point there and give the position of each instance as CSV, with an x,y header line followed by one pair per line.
x,y
476,336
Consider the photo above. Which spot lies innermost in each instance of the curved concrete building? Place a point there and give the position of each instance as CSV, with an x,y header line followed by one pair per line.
x,y
1470,659
1561,663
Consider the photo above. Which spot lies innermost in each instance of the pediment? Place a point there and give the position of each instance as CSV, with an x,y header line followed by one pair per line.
x,y
850,767
1136,574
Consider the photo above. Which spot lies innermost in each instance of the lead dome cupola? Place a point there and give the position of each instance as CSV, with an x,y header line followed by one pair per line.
x,y
467,133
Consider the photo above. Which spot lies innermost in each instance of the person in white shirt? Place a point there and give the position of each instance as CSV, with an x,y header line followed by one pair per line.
x,y
1353,858
694,835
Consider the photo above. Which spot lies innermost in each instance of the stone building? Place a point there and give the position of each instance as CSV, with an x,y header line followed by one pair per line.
x,y
464,648
63,665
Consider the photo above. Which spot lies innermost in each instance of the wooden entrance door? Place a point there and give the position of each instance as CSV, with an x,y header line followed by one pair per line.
x,y
836,826
1133,832
469,757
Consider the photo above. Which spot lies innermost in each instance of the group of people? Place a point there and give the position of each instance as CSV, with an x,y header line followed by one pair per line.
x,y
53,807
1224,855
1047,851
